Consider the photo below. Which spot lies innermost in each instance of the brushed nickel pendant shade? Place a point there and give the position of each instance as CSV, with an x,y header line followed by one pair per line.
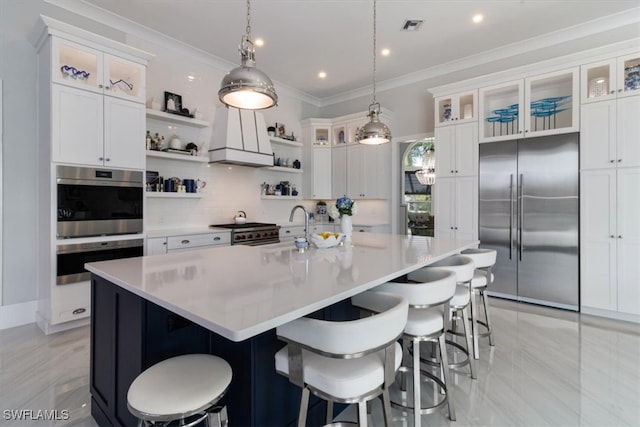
x,y
247,87
374,132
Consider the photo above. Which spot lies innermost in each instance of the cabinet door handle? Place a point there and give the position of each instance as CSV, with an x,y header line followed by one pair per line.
x,y
79,311
612,92
620,236
107,159
612,236
619,90
619,160
611,161
185,242
100,86
216,238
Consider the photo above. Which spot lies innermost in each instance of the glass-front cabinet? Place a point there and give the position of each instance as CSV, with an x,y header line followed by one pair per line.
x,y
74,64
542,105
455,109
610,79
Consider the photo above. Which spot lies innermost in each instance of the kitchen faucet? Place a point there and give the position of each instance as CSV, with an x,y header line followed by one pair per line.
x,y
306,218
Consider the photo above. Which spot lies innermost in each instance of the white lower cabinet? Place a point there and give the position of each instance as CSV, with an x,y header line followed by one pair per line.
x,y
168,244
70,302
456,208
380,228
288,233
610,240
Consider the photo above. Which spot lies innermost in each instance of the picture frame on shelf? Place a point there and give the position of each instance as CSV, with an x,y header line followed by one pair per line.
x,y
172,103
280,130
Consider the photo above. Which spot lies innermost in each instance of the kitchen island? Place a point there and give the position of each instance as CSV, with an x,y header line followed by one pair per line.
x,y
228,301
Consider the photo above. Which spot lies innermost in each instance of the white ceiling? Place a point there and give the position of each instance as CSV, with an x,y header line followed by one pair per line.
x,y
303,37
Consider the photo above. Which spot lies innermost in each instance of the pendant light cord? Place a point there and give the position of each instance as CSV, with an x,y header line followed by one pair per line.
x,y
374,51
248,30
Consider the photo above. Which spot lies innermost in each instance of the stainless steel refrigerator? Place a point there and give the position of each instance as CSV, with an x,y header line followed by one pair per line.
x,y
529,208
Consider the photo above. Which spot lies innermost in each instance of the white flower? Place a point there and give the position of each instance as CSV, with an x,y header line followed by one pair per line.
x,y
354,208
333,212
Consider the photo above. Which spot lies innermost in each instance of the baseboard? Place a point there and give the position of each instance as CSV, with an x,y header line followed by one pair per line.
x,y
18,314
48,328
634,318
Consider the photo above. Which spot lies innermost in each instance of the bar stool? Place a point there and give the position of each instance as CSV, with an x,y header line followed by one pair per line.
x,y
183,389
345,362
483,259
428,320
460,304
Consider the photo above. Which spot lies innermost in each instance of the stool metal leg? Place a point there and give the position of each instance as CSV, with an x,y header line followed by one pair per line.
x,y
417,399
474,323
362,414
386,408
329,412
468,339
217,417
444,359
304,406
485,303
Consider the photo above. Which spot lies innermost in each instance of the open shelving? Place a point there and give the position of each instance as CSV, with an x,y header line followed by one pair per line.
x,y
175,118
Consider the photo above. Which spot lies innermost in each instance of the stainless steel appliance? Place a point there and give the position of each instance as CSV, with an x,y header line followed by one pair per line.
x,y
252,233
97,202
71,258
529,210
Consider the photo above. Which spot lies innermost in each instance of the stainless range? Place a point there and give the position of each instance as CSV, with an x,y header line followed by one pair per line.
x,y
252,233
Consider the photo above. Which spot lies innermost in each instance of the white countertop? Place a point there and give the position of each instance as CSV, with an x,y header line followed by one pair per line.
x,y
241,291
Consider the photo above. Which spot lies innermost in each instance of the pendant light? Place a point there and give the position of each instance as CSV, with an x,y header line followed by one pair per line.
x,y
374,132
247,87
427,175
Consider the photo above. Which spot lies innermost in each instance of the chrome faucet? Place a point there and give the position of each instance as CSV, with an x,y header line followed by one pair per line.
x,y
306,218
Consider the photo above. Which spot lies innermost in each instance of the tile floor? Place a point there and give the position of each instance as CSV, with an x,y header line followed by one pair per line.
x,y
549,368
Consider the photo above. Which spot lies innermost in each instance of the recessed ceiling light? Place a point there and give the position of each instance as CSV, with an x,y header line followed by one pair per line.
x,y
259,42
191,77
385,52
478,18
322,74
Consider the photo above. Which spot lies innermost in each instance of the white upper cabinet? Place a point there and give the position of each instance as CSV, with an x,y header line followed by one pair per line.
x,y
609,134
456,150
77,65
455,109
540,105
610,79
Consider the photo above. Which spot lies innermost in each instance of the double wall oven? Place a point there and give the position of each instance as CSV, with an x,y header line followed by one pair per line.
x,y
104,208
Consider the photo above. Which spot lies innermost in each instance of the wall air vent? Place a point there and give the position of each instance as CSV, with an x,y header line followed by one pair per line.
x,y
412,24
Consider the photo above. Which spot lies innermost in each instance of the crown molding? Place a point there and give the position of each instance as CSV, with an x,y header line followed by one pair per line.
x,y
596,26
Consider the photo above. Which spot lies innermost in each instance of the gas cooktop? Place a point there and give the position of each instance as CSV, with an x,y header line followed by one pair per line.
x,y
243,226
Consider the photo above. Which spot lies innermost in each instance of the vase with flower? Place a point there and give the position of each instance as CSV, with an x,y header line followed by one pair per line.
x,y
344,209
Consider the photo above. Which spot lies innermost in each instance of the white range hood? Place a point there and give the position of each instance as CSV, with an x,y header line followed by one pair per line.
x,y
240,137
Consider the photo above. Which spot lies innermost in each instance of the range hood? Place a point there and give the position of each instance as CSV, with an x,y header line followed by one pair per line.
x,y
240,137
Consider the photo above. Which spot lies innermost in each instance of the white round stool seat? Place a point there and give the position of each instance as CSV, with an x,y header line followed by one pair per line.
x,y
461,298
481,257
179,387
462,265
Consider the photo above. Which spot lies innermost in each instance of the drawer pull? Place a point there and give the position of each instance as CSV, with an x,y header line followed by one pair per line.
x,y
79,311
216,238
185,242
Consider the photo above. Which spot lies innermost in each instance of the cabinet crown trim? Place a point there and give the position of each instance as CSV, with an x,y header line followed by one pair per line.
x,y
46,26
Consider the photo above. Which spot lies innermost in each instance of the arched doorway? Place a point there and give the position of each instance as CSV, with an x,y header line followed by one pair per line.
x,y
416,197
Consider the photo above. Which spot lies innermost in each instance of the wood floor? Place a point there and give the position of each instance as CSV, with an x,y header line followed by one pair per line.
x,y
549,368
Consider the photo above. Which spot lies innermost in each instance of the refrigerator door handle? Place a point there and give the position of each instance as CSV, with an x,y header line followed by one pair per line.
x,y
510,215
521,219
